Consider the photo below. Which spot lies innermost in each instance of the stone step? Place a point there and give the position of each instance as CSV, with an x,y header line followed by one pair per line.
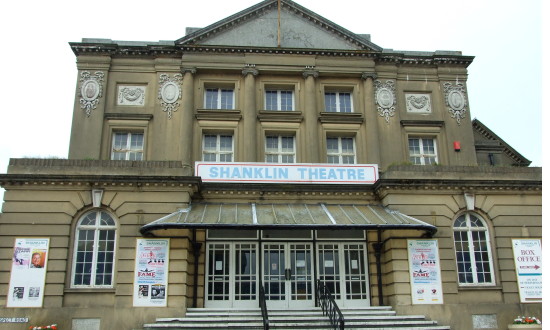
x,y
306,319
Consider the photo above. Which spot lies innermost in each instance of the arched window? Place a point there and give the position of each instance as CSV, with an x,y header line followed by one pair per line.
x,y
473,250
94,250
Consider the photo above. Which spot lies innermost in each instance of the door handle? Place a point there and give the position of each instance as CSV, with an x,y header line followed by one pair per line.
x,y
287,274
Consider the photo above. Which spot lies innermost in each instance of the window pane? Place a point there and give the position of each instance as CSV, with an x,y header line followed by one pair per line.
x,y
332,145
286,101
330,102
345,102
226,99
211,99
271,100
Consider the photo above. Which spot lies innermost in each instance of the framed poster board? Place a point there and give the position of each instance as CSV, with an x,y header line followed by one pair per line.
x,y
528,261
151,272
425,271
28,272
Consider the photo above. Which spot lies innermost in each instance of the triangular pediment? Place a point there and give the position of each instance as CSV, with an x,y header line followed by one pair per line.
x,y
267,25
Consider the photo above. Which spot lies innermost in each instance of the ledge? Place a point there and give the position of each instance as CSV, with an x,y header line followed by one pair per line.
x,y
280,116
216,114
341,117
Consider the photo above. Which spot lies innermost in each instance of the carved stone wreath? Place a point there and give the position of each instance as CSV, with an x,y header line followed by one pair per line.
x,y
384,96
455,98
418,103
170,92
131,95
91,90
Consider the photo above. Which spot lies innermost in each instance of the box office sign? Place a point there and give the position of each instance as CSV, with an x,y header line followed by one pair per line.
x,y
425,271
151,272
528,260
287,173
28,272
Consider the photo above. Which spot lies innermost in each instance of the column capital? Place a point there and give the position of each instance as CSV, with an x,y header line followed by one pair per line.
x,y
310,72
367,75
191,70
250,69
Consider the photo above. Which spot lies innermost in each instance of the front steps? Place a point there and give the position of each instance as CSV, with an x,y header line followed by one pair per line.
x,y
306,319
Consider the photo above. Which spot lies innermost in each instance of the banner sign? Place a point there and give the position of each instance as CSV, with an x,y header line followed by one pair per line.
x,y
425,271
28,272
287,173
151,272
528,260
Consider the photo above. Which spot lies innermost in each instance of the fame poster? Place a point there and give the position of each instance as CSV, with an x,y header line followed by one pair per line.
x,y
151,273
28,272
425,271
528,260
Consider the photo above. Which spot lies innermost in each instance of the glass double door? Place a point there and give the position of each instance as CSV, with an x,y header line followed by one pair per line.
x,y
288,275
287,271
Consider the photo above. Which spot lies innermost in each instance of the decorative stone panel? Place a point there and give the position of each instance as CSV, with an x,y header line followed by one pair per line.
x,y
418,102
131,95
170,92
455,98
384,95
91,90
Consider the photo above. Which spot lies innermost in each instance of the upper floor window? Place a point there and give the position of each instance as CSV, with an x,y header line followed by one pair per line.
x,y
473,250
217,148
219,98
338,102
94,256
340,150
280,149
127,146
422,151
279,100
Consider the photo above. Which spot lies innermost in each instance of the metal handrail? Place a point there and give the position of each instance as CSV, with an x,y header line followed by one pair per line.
x,y
263,307
329,306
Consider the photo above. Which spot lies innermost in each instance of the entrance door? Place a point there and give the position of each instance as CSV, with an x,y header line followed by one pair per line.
x,y
287,275
231,275
342,268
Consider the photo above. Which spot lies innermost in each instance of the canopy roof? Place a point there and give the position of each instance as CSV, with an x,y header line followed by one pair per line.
x,y
287,216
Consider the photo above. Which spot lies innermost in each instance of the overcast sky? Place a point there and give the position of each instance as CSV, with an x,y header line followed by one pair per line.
x,y
39,75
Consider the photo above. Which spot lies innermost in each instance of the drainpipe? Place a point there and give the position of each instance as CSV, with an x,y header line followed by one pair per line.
x,y
196,253
378,255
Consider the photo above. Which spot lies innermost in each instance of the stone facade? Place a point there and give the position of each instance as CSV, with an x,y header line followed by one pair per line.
x,y
144,113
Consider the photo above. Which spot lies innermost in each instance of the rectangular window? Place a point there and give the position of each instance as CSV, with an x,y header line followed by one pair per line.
x,y
127,146
340,150
279,100
219,98
422,151
280,149
217,148
338,102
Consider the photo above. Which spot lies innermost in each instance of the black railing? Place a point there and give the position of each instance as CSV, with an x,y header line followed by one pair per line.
x,y
264,308
329,306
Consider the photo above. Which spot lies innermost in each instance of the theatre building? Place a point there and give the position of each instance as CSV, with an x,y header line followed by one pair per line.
x,y
260,161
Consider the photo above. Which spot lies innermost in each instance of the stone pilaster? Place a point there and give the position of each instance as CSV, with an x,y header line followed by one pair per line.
x,y
373,144
187,119
249,113
311,117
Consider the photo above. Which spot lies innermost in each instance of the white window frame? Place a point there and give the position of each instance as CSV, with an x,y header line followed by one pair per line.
x,y
279,106
97,228
280,153
340,153
220,102
423,156
471,252
339,106
128,149
217,151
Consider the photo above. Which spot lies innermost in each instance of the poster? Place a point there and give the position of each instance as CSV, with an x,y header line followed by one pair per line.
x,y
151,273
425,271
28,272
528,260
